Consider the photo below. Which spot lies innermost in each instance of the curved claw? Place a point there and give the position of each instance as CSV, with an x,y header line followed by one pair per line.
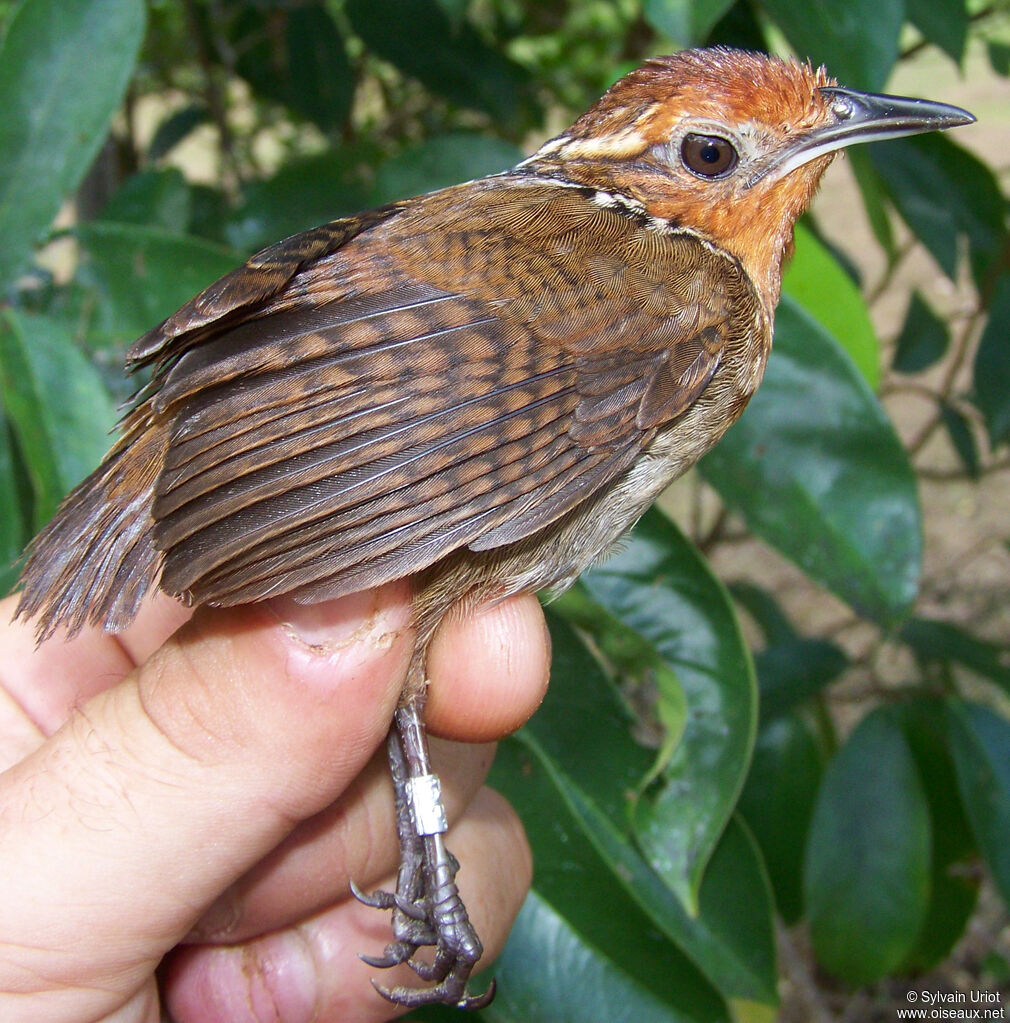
x,y
414,997
377,900
396,953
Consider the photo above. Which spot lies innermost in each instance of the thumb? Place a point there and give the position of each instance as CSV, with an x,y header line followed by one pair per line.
x,y
159,792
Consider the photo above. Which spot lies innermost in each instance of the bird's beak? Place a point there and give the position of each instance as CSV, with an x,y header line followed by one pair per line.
x,y
863,117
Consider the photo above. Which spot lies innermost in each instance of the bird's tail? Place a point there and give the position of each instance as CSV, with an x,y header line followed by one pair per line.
x,y
93,563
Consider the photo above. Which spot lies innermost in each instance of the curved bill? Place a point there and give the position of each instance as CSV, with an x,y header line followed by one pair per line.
x,y
865,117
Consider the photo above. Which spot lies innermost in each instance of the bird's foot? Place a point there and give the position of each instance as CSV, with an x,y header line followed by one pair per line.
x,y
427,908
437,918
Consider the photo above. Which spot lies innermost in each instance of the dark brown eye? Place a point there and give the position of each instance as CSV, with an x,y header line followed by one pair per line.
x,y
708,155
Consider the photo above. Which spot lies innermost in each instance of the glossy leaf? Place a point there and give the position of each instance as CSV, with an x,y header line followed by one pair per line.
x,y
992,365
297,57
817,282
144,274
440,161
56,402
867,867
817,470
57,100
856,39
778,801
923,339
659,586
953,889
568,927
686,22
451,60
943,643
944,192
980,743
582,737
944,24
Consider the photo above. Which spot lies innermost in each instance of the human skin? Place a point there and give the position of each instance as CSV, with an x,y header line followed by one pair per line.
x,y
192,797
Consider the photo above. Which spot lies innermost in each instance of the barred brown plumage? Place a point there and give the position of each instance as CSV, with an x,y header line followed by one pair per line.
x,y
482,388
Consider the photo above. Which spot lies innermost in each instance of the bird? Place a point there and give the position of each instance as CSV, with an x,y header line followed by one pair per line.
x,y
482,388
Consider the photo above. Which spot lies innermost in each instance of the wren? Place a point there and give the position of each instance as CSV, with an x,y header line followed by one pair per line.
x,y
481,388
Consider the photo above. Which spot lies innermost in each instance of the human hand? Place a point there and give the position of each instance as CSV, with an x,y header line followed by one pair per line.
x,y
195,802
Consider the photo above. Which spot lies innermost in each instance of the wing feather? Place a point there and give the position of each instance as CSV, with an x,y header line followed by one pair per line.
x,y
488,383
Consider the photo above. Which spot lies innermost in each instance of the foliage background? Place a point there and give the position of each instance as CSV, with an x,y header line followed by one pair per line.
x,y
700,853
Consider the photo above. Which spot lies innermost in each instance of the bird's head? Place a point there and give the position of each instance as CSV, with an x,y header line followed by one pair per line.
x,y
730,144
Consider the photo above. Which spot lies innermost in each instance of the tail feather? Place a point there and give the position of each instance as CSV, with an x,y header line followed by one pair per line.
x,y
95,561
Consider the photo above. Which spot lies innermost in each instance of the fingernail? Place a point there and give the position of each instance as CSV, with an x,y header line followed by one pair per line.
x,y
271,978
375,616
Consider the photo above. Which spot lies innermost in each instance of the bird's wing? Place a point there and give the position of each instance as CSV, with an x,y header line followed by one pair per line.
x,y
462,373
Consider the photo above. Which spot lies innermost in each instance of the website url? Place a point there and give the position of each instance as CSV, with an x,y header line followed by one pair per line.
x,y
940,1013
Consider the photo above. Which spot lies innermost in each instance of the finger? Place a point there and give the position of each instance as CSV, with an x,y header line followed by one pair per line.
x,y
311,972
352,840
46,681
488,670
159,792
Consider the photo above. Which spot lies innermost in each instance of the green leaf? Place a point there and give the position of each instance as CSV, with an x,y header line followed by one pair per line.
x,y
451,60
980,743
999,57
962,437
992,365
297,58
944,24
791,668
636,663
64,65
582,738
954,884
871,191
152,198
856,39
766,611
13,527
867,869
175,128
944,643
659,586
144,274
923,339
791,672
304,193
60,410
778,801
566,927
440,161
816,281
944,192
817,470
686,22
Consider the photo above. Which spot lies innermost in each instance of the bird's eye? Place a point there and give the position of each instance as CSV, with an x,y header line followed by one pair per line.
x,y
708,155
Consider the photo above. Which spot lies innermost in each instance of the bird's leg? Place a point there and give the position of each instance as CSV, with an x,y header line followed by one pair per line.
x,y
410,923
427,908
